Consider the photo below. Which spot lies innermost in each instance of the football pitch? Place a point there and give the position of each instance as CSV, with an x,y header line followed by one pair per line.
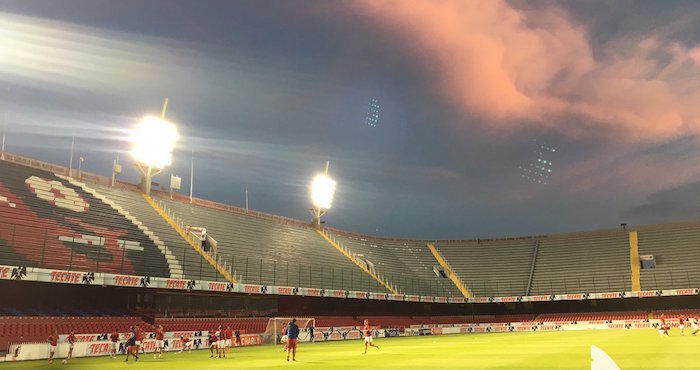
x,y
630,349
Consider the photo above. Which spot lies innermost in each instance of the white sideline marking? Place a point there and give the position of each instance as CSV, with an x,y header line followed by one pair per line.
x,y
601,361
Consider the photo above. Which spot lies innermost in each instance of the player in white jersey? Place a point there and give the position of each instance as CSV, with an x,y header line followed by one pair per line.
x,y
681,324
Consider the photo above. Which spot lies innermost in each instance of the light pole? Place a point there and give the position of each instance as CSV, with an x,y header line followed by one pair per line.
x,y
154,141
116,168
70,164
322,191
2,152
80,168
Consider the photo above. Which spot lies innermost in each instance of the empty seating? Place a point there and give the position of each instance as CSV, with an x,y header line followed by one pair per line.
x,y
676,314
674,248
408,265
192,264
48,222
244,325
38,328
583,263
594,316
492,268
270,253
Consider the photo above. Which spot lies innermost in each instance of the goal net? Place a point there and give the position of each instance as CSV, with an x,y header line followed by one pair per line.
x,y
275,327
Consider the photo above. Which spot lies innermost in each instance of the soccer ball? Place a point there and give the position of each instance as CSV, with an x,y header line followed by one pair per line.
x,y
64,362
283,340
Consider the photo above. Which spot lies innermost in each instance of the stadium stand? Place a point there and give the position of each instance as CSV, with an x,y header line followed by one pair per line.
x,y
46,221
490,268
51,221
193,265
406,264
336,321
245,325
673,247
675,314
474,319
38,328
270,253
584,262
593,316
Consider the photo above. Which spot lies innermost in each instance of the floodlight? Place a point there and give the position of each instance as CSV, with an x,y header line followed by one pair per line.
x,y
322,190
154,140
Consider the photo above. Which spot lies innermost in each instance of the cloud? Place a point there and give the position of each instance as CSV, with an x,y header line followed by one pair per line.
x,y
676,203
517,67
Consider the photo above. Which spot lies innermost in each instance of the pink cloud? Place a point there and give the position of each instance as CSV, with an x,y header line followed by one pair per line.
x,y
518,67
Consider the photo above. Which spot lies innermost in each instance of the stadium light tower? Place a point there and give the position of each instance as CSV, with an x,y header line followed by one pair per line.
x,y
154,140
322,191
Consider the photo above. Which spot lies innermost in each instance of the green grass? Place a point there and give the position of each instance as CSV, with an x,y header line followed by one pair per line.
x,y
631,349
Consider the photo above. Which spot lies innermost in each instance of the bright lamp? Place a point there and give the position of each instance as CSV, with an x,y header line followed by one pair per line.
x,y
154,141
322,190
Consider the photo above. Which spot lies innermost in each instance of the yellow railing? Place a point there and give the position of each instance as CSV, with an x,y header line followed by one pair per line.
x,y
190,240
455,279
634,261
358,263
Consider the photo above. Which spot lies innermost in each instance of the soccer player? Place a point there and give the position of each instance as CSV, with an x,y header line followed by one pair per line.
x,y
284,334
229,334
220,342
681,324
15,354
53,342
160,342
292,334
212,343
131,348
238,338
368,336
71,343
138,337
186,344
694,322
311,333
114,337
663,329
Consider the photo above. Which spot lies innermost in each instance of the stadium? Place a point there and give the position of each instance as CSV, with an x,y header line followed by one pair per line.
x,y
97,270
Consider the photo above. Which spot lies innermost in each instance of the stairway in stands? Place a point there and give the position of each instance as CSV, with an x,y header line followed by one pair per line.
x,y
194,266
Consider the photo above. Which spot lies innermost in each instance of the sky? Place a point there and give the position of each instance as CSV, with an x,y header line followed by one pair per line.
x,y
471,93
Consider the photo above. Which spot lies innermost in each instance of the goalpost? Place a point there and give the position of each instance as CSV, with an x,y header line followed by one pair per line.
x,y
275,326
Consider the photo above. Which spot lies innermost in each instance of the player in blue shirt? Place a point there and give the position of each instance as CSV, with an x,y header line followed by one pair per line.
x,y
292,334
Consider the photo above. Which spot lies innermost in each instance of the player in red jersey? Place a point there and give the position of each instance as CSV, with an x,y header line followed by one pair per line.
x,y
229,334
114,338
53,342
138,336
160,342
663,329
71,343
368,336
284,335
220,342
212,343
186,344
